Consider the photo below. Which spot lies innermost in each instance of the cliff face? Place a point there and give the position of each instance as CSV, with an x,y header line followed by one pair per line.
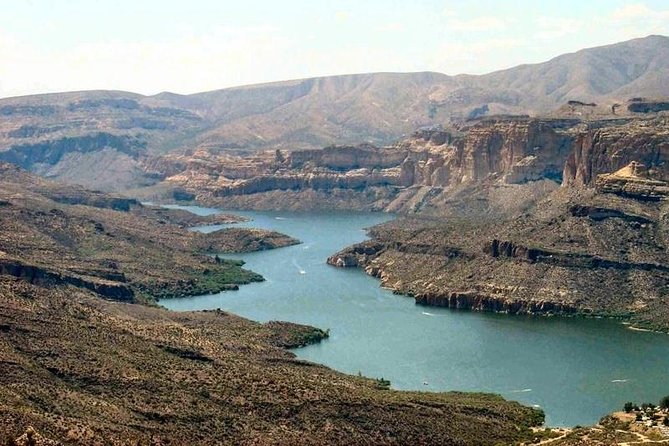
x,y
502,151
429,169
608,148
360,177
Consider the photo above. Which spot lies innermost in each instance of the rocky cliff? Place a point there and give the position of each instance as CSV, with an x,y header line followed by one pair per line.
x,y
504,156
605,147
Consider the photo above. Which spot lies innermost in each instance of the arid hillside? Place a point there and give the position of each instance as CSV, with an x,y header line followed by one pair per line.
x,y
59,234
86,358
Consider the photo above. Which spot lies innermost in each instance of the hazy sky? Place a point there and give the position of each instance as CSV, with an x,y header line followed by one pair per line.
x,y
196,45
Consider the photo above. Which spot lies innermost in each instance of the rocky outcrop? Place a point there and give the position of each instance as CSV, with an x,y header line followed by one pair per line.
x,y
508,249
633,181
354,179
517,151
109,288
642,105
599,214
474,301
356,255
505,248
607,146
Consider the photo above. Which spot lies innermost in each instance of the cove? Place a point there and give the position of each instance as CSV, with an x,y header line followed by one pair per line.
x,y
576,370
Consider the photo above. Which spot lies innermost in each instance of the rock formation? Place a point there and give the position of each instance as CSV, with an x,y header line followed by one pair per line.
x,y
428,169
633,181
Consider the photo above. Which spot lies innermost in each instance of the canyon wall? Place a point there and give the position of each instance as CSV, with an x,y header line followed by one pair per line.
x,y
607,147
427,169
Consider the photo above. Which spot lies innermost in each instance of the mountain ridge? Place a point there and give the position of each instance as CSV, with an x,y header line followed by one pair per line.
x,y
379,108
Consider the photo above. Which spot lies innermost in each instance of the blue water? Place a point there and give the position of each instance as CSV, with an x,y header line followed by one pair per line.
x,y
576,370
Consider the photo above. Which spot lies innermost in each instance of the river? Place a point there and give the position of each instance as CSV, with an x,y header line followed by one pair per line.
x,y
576,370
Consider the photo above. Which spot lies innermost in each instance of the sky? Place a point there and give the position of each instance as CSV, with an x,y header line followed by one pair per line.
x,y
188,46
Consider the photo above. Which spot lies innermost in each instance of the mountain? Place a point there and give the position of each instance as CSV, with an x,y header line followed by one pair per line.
x,y
638,67
99,138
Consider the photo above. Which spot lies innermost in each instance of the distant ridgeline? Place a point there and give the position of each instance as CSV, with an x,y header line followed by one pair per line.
x,y
105,139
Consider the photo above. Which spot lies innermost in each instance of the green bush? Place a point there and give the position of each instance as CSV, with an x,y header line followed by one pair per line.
x,y
628,407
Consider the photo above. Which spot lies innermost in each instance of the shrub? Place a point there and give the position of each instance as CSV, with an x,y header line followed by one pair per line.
x,y
664,402
628,407
382,384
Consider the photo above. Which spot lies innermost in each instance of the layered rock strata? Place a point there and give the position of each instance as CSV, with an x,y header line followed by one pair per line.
x,y
427,170
577,251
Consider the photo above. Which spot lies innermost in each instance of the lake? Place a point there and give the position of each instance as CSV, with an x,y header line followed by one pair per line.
x,y
576,370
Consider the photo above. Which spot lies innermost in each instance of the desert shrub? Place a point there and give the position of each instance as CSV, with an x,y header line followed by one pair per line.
x,y
382,384
664,402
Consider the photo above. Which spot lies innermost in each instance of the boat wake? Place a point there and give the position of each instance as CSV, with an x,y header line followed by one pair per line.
x,y
619,380
299,268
